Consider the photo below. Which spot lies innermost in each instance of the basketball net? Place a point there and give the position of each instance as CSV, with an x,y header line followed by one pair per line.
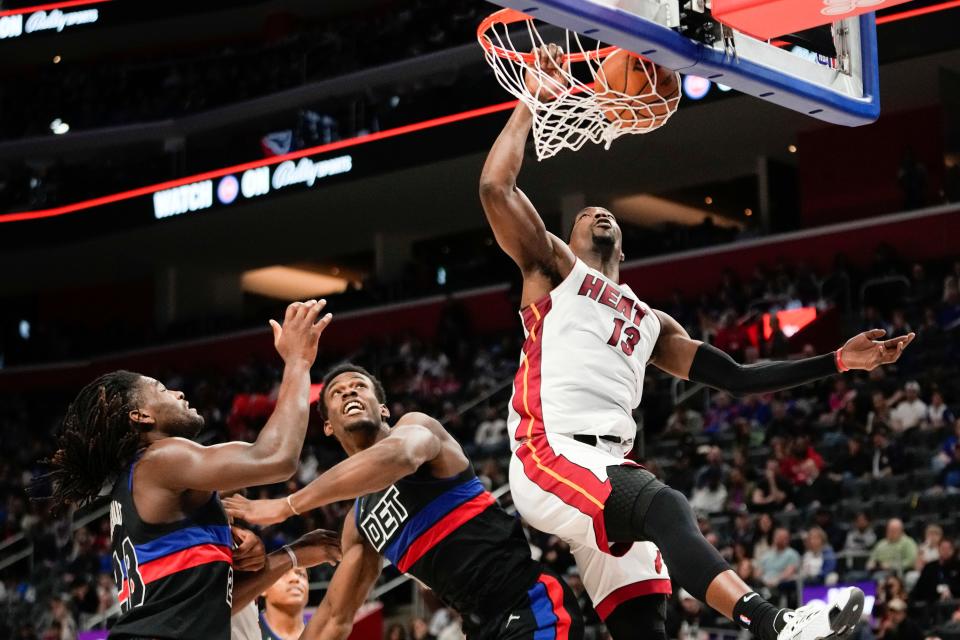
x,y
585,108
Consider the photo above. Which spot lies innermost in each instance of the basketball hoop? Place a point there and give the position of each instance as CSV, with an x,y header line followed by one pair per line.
x,y
586,107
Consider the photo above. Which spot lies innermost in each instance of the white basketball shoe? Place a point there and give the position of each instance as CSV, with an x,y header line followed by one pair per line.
x,y
817,621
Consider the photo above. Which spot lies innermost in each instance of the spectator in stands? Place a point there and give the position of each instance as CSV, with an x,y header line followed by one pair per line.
x,y
778,346
815,488
923,289
889,590
879,416
945,455
888,456
396,631
83,559
779,567
897,552
896,625
747,572
781,422
442,622
731,336
714,466
738,491
949,478
682,421
932,341
681,475
492,474
721,415
711,497
939,414
58,623
763,536
819,563
772,492
491,435
848,420
872,318
839,395
795,466
855,462
747,436
949,311
940,579
836,535
898,324
911,410
743,531
929,549
420,630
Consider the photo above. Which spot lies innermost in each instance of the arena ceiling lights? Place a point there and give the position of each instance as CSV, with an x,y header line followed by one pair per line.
x,y
192,180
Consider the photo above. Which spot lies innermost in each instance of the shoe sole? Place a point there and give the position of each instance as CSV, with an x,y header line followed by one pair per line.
x,y
846,620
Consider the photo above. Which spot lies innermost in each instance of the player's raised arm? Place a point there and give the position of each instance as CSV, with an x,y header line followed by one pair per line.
x,y
515,222
309,550
275,454
681,356
398,455
351,583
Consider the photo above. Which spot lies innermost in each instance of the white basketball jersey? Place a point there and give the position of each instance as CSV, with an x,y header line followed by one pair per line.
x,y
582,366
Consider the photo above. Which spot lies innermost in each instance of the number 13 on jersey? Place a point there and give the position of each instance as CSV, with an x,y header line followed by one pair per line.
x,y
626,335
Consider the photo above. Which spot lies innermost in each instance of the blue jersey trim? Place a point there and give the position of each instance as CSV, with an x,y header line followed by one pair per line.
x,y
183,539
430,515
542,609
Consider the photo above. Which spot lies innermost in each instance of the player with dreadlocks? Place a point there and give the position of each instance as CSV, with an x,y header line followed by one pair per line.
x,y
170,537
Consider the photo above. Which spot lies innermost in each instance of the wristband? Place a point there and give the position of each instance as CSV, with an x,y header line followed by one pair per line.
x,y
293,556
296,513
841,367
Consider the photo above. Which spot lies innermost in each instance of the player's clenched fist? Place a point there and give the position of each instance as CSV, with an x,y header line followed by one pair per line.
x,y
302,325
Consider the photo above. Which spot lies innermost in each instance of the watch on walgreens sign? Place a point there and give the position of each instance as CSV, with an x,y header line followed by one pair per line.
x,y
249,185
55,20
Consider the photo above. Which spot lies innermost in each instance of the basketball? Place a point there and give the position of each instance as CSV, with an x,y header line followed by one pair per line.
x,y
644,94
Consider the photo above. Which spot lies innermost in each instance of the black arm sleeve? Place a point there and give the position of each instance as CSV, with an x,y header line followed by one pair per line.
x,y
715,368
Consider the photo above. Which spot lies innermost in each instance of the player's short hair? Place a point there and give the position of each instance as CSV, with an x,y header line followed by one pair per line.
x,y
348,367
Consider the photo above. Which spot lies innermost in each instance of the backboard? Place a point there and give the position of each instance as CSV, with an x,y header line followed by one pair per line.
x,y
682,35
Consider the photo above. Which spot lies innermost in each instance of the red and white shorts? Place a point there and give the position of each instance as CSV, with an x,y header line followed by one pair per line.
x,y
560,486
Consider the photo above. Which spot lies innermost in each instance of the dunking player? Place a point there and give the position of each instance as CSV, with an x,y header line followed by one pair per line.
x,y
423,508
589,339
171,543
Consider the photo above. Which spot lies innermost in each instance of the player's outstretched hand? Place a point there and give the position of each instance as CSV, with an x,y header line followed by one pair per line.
x,y
545,79
260,512
249,554
297,338
866,351
317,547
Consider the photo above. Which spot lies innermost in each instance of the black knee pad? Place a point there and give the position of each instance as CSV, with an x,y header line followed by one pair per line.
x,y
643,616
632,489
641,508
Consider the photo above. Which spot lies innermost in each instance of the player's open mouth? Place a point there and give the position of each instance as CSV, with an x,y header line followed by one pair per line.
x,y
297,591
353,407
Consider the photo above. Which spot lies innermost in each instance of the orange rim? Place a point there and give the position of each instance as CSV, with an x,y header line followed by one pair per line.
x,y
512,16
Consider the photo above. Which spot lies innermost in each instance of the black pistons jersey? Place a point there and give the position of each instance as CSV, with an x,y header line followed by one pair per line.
x,y
452,536
175,579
